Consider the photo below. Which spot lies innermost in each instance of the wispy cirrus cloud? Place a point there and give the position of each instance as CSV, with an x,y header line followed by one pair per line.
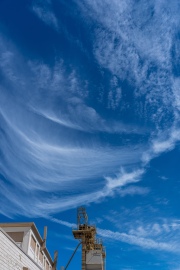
x,y
134,42
83,114
44,11
56,162
143,241
150,231
123,178
161,227
49,111
163,142
134,190
50,158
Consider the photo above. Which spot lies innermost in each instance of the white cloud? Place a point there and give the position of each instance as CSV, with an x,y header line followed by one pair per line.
x,y
124,178
53,169
53,158
131,238
137,223
176,91
136,46
145,243
64,223
163,142
134,42
134,190
43,9
48,159
115,94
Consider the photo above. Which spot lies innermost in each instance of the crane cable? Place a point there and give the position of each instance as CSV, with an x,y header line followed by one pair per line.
x,y
72,255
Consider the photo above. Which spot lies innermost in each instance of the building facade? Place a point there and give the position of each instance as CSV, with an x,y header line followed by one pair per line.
x,y
22,248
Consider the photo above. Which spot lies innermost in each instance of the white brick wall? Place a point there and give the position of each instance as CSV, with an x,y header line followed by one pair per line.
x,y
12,257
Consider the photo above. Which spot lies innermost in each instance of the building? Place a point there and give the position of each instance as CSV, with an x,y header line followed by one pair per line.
x,y
22,248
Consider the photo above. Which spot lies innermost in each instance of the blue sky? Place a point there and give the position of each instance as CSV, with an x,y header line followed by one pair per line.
x,y
89,115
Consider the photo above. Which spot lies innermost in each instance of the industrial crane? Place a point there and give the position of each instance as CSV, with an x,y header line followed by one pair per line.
x,y
93,251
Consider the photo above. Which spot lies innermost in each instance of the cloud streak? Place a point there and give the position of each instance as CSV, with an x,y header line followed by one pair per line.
x,y
129,238
44,11
51,159
67,138
136,46
139,241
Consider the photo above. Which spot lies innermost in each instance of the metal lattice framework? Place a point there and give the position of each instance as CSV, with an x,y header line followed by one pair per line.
x,y
87,234
82,217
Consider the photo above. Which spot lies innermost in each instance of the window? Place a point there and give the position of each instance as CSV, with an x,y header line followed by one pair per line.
x,y
47,265
16,236
41,257
37,251
33,243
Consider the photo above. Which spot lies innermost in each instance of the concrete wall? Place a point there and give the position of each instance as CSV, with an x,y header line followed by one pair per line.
x,y
12,257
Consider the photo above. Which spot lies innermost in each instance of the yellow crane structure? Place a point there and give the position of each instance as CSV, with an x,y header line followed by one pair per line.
x,y
93,251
